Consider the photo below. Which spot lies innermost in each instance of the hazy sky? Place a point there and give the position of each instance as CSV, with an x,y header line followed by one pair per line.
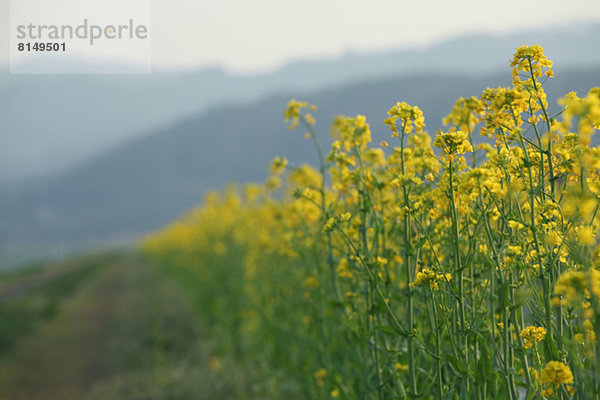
x,y
250,36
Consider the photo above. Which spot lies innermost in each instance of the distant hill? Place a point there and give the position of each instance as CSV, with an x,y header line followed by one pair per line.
x,y
147,182
50,123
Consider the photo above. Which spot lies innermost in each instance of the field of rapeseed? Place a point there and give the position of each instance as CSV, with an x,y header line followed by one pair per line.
x,y
420,268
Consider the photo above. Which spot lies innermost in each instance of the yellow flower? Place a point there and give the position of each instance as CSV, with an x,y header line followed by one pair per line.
x,y
278,165
572,285
333,222
515,225
530,59
329,225
401,367
214,364
345,217
292,113
427,277
532,335
319,375
405,117
586,235
311,283
343,269
465,114
453,143
556,372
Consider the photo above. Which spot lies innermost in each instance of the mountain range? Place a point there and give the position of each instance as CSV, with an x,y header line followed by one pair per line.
x,y
98,158
144,184
52,123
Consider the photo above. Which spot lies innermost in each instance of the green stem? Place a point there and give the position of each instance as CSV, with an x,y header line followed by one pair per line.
x,y
459,278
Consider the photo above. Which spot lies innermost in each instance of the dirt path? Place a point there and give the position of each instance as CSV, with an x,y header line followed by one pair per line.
x,y
59,362
20,285
113,338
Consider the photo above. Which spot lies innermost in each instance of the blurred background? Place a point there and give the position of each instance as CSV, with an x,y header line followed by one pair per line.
x,y
91,162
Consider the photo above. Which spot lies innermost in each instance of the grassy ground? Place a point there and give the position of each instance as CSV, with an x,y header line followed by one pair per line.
x,y
106,327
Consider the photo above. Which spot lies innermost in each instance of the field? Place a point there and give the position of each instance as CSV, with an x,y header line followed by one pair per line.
x,y
107,327
434,266
461,264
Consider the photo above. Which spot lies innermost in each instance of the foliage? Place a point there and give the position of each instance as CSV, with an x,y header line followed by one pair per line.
x,y
438,270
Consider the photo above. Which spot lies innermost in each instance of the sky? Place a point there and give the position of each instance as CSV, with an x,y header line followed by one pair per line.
x,y
255,36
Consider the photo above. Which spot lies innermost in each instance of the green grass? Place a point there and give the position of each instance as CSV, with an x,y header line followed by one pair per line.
x,y
35,295
114,327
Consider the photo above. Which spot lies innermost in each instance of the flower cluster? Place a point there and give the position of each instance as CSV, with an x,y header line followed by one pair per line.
x,y
453,142
556,372
427,277
532,335
292,113
405,118
531,60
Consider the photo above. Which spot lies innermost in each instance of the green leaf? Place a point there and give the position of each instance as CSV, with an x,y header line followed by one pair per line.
x,y
388,330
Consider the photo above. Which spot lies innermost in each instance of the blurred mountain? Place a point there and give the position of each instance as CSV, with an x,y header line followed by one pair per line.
x,y
51,123
147,182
